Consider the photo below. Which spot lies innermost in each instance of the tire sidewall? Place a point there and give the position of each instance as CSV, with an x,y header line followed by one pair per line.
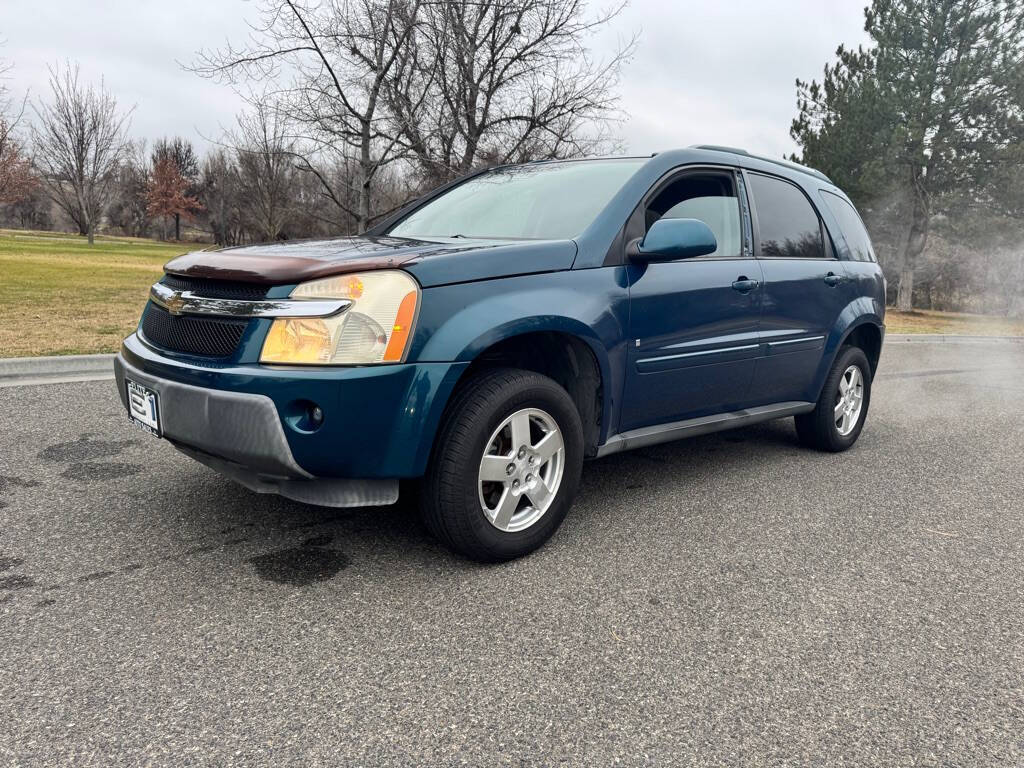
x,y
850,356
548,396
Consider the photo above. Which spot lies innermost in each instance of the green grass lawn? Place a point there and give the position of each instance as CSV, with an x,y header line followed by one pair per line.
x,y
60,296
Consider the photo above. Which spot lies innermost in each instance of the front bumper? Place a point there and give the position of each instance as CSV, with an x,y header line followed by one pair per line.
x,y
245,421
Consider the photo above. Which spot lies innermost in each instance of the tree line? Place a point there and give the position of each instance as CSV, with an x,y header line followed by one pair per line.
x,y
924,129
354,108
357,106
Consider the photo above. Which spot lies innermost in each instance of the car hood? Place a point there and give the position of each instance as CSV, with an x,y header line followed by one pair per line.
x,y
432,262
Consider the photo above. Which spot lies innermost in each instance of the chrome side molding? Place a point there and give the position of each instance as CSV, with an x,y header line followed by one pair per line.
x,y
188,303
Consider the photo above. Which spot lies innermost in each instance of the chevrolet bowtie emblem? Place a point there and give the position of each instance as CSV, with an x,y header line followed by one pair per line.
x,y
174,303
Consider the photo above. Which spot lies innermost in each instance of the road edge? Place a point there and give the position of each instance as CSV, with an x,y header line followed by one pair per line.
x,y
949,338
62,369
59,369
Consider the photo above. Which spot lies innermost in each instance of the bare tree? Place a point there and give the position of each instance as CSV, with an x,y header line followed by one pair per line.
x,y
510,80
17,181
79,138
266,172
336,58
221,197
128,209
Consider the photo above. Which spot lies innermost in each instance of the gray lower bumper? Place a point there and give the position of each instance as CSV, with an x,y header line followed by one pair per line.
x,y
240,435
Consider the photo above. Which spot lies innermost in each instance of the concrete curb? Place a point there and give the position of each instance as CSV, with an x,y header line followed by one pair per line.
x,y
21,371
949,338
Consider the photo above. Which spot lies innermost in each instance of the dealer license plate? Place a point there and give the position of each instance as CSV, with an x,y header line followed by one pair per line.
x,y
143,407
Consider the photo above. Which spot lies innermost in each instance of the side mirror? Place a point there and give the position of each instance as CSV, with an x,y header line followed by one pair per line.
x,y
671,239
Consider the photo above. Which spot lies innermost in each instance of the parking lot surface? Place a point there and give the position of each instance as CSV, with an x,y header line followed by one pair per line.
x,y
732,599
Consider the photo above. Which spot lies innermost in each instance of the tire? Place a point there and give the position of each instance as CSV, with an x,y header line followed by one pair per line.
x,y
456,503
822,428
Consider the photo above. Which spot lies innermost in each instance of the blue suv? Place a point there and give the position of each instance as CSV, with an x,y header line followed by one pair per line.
x,y
493,334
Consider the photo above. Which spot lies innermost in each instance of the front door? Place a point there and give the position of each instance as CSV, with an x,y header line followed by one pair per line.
x,y
693,335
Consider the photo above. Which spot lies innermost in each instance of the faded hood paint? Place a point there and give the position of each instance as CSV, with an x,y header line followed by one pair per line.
x,y
432,262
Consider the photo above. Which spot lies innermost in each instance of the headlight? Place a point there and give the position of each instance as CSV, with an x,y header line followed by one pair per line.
x,y
375,328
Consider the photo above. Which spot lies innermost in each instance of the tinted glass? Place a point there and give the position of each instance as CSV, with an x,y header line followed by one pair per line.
x,y
551,201
788,224
721,214
853,228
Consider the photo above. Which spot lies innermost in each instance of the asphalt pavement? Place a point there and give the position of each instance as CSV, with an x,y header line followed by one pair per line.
x,y
734,599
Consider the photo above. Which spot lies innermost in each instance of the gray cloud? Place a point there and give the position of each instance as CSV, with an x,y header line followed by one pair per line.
x,y
716,72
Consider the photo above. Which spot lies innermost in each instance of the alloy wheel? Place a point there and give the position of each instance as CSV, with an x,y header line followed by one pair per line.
x,y
849,400
521,470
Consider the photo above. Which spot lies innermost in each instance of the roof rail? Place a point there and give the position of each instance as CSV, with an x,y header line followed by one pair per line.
x,y
784,163
721,148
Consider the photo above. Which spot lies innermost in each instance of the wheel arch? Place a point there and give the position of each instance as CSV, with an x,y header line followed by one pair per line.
x,y
868,336
564,351
861,323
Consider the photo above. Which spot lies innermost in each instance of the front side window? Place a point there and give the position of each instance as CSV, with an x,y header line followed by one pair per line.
x,y
551,201
709,197
787,223
853,228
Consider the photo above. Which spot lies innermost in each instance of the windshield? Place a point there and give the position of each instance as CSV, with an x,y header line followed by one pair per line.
x,y
552,201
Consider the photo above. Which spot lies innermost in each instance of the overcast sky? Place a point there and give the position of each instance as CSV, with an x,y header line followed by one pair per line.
x,y
705,72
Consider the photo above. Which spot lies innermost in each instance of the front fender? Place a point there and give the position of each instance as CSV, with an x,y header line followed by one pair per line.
x,y
458,322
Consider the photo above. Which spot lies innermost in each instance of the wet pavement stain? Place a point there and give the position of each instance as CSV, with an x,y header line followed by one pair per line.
x,y
301,566
202,548
16,582
6,563
11,481
90,471
46,602
85,448
317,541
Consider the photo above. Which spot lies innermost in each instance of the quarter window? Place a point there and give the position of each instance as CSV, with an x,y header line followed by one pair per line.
x,y
787,223
853,228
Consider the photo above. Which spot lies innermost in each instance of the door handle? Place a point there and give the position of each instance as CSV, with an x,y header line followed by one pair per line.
x,y
832,279
744,284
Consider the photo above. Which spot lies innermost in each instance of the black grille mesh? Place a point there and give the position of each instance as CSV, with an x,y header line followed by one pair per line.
x,y
206,336
216,289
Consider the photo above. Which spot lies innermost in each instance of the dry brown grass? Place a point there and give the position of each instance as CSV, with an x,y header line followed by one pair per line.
x,y
59,296
927,321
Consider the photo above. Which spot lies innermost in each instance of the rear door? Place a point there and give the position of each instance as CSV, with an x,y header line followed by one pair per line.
x,y
805,289
693,323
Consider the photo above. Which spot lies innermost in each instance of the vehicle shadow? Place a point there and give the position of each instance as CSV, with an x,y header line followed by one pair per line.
x,y
190,518
396,532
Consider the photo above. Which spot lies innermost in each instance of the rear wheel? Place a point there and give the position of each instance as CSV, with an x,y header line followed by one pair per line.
x,y
506,466
837,419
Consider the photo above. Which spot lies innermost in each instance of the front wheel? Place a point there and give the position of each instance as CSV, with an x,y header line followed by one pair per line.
x,y
837,419
506,466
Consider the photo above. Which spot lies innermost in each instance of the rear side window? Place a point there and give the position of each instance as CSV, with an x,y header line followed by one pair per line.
x,y
853,228
787,223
